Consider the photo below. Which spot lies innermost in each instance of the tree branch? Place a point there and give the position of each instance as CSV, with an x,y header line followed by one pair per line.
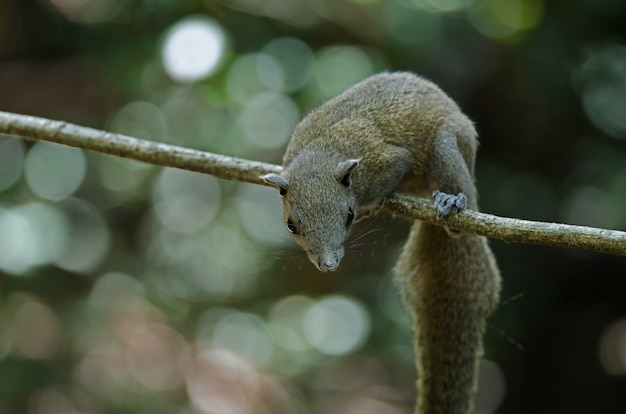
x,y
40,129
230,168
512,230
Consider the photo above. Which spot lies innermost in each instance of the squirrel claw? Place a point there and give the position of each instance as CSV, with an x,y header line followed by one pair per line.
x,y
445,203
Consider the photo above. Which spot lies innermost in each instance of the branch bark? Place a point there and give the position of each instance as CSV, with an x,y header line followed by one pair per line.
x,y
40,129
230,168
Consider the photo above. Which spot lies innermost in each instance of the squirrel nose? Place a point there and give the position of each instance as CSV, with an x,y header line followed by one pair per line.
x,y
329,265
329,262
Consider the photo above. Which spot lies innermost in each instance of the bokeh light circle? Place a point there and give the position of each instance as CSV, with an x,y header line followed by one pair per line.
x,y
193,49
53,171
336,325
11,160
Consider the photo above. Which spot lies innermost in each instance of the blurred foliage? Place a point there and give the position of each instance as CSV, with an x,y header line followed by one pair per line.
x,y
126,288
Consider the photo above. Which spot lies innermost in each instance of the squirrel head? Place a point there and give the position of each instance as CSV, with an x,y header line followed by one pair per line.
x,y
318,207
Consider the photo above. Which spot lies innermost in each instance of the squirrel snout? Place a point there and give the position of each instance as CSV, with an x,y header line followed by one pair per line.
x,y
328,261
328,266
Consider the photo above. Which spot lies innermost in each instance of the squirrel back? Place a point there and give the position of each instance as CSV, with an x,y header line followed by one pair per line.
x,y
389,109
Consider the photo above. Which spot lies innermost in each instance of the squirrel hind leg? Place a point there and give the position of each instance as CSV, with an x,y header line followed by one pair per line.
x,y
451,175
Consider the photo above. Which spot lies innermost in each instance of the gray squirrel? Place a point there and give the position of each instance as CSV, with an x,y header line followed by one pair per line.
x,y
397,132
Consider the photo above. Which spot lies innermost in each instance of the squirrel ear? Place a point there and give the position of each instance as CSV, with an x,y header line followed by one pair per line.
x,y
344,169
278,181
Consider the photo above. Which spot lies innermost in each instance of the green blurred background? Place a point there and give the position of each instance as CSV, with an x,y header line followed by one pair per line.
x,y
127,288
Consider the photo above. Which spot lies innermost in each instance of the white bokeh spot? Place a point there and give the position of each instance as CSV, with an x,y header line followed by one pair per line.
x,y
193,49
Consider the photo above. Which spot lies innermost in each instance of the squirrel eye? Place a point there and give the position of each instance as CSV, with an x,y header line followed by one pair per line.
x,y
282,191
350,217
291,227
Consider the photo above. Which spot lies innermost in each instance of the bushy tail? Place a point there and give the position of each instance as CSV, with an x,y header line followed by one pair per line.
x,y
450,285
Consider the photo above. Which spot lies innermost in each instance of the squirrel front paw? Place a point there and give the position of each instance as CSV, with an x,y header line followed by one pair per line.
x,y
445,203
